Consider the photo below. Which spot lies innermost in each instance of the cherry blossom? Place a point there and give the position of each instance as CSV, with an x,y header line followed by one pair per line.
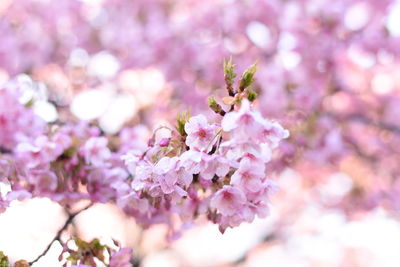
x,y
95,151
201,135
229,201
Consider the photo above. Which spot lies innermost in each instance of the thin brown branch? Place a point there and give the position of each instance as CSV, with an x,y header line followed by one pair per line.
x,y
57,237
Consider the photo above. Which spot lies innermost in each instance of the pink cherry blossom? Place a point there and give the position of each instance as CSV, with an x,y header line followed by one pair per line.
x,y
40,151
200,134
132,159
248,176
17,123
192,160
244,124
44,181
121,258
229,200
95,151
215,165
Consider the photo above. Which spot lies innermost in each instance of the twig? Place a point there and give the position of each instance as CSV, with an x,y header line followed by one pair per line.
x,y
57,237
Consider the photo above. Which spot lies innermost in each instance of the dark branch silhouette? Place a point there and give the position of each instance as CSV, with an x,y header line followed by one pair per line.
x,y
57,237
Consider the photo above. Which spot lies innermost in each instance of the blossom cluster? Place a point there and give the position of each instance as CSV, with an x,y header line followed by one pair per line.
x,y
328,71
17,122
216,170
329,68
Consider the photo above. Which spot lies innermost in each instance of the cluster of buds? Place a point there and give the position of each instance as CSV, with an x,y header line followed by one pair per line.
x,y
4,262
92,253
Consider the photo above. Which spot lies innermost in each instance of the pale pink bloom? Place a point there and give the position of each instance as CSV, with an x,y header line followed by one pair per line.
x,y
49,149
134,138
193,161
249,176
234,150
131,160
62,140
244,124
169,175
260,156
17,122
184,178
44,181
229,200
121,187
261,209
95,151
98,184
200,134
3,204
215,165
132,204
166,176
273,133
18,194
121,258
144,173
42,151
245,214
166,164
267,188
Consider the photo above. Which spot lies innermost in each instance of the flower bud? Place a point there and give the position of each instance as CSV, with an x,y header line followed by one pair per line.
x,y
229,75
248,77
212,103
21,263
251,95
164,142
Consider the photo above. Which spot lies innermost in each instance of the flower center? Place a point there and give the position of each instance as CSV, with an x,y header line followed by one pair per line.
x,y
202,133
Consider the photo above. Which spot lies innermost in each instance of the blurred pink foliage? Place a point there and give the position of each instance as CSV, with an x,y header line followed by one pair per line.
x,y
91,90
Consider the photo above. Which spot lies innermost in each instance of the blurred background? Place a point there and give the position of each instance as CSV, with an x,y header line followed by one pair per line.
x,y
329,71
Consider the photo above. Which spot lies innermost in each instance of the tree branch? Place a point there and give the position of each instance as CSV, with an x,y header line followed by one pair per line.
x,y
57,237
